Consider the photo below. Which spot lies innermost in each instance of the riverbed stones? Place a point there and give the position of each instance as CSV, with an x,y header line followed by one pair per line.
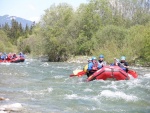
x,y
16,107
4,112
2,98
11,107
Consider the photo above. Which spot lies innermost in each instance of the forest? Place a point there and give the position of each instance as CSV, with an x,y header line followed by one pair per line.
x,y
110,27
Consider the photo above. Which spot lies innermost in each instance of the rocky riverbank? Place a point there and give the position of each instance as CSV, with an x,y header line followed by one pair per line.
x,y
78,59
84,59
8,108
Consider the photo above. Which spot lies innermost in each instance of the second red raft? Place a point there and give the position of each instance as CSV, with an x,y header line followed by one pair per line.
x,y
114,72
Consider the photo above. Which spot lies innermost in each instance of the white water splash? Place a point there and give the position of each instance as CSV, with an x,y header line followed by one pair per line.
x,y
50,89
45,64
5,63
131,77
58,76
73,96
76,97
38,92
118,95
147,75
88,90
63,67
34,92
112,86
134,83
78,68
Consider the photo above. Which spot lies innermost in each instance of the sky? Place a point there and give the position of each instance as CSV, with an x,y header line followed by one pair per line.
x,y
32,9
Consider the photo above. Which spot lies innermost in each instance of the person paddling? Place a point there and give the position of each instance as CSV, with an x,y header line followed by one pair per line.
x,y
93,66
115,63
4,56
21,55
86,67
123,64
101,60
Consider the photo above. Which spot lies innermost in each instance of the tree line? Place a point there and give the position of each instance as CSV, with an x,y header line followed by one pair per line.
x,y
12,33
113,28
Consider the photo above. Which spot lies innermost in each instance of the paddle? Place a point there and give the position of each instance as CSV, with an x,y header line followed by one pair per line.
x,y
120,62
131,72
78,73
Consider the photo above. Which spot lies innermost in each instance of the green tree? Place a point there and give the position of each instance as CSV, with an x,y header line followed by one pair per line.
x,y
113,28
5,45
53,26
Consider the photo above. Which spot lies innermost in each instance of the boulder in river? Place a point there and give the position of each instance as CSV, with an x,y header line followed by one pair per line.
x,y
2,98
11,107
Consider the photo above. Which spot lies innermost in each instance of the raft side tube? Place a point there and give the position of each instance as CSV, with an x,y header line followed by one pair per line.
x,y
133,73
94,75
106,72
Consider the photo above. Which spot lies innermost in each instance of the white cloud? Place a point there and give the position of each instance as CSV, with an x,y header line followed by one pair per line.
x,y
36,19
31,7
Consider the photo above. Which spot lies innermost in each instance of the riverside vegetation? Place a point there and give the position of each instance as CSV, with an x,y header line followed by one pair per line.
x,y
110,27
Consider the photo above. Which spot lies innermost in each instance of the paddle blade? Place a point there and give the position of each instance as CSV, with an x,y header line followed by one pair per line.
x,y
78,73
81,73
75,72
72,75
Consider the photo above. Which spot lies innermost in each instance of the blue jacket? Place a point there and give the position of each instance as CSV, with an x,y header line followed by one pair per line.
x,y
21,55
91,65
4,56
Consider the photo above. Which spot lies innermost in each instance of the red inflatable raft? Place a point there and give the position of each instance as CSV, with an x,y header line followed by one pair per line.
x,y
113,72
14,60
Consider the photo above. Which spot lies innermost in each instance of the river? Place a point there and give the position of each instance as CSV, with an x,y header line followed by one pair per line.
x,y
45,87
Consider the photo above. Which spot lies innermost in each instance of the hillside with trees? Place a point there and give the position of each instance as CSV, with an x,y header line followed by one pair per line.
x,y
110,27
11,36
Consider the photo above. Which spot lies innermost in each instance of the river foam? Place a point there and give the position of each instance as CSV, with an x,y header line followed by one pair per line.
x,y
118,95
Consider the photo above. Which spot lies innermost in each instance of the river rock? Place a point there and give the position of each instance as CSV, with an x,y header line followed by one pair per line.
x,y
3,112
2,98
11,107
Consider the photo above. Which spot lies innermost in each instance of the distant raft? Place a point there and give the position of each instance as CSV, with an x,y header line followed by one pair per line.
x,y
13,60
112,72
